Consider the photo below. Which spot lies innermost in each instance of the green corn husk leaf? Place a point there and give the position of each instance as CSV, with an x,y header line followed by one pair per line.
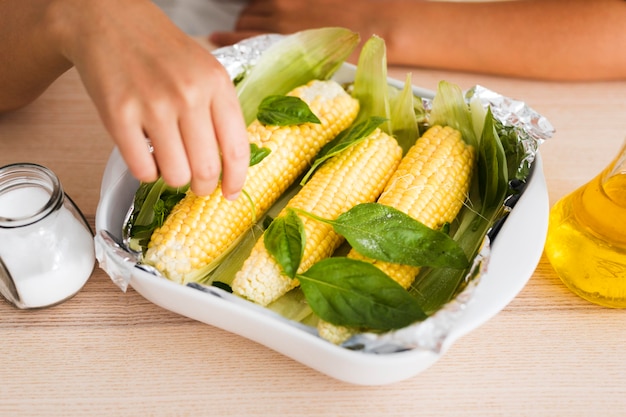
x,y
294,306
403,117
293,61
377,98
450,109
370,83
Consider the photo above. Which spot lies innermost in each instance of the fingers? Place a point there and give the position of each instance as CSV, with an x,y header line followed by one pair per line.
x,y
136,152
133,145
172,96
202,150
149,79
194,143
169,153
234,144
215,138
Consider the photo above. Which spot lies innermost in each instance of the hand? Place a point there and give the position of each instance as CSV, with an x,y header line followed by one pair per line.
x,y
149,80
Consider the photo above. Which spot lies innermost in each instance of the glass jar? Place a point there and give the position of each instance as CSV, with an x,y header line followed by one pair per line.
x,y
46,245
586,241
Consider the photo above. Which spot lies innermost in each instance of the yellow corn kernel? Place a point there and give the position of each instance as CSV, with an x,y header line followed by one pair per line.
x,y
357,175
212,223
430,185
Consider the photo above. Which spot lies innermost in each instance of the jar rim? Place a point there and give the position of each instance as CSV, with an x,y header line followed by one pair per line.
x,y
26,174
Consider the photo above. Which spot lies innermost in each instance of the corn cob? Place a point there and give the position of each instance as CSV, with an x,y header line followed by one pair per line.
x,y
357,175
430,185
200,229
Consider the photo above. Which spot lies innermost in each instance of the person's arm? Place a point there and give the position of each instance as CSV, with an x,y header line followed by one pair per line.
x,y
30,59
146,78
542,39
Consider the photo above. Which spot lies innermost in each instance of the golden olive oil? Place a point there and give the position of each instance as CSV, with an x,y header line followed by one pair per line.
x,y
586,241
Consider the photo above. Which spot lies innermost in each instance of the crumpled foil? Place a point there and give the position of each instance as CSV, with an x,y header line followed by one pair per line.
x,y
531,128
117,260
238,58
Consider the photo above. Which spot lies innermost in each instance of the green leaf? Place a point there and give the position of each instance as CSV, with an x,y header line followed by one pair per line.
x,y
450,109
370,82
293,61
478,113
403,120
258,154
293,306
434,287
518,165
285,111
345,139
492,166
284,240
353,293
151,206
399,108
387,234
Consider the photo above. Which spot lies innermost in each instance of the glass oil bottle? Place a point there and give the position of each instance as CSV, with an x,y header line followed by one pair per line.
x,y
586,242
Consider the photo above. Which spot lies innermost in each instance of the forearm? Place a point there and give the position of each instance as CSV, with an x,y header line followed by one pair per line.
x,y
31,56
547,39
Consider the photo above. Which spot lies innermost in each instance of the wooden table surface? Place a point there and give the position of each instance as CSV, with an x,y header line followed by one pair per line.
x,y
105,352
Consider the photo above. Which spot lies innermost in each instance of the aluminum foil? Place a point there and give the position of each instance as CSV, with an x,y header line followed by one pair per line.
x,y
531,128
237,59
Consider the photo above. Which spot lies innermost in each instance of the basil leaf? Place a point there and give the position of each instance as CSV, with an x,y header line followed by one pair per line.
x,y
285,111
353,293
387,234
284,239
258,154
345,139
151,206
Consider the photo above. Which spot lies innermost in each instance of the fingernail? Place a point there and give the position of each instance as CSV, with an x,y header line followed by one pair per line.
x,y
232,197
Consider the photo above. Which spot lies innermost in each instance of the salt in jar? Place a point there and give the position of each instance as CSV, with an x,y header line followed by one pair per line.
x,y
46,245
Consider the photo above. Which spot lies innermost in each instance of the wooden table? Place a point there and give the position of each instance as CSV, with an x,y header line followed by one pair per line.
x,y
106,352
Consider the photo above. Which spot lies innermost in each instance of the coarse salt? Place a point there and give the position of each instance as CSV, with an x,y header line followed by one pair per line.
x,y
49,260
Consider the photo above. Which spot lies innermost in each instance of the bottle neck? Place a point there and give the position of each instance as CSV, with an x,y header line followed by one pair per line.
x,y
614,179
601,204
28,194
